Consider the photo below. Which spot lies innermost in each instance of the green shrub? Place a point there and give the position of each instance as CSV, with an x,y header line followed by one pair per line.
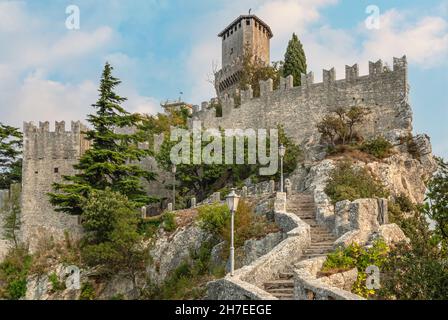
x,y
350,183
169,222
378,147
356,256
56,284
13,273
87,292
149,226
213,218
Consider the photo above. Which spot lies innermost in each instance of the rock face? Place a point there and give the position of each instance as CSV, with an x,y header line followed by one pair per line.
x,y
254,249
170,250
364,220
402,174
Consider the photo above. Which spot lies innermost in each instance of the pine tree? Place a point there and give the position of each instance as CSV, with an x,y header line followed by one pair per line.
x,y
295,60
10,151
111,160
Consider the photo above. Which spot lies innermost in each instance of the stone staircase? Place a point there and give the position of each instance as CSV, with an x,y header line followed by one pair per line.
x,y
302,204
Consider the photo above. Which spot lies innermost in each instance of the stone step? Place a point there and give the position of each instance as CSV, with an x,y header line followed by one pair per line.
x,y
314,255
322,243
278,284
285,275
316,251
320,247
284,296
281,291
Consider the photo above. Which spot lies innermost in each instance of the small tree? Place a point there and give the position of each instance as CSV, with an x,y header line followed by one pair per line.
x,y
112,240
295,60
111,160
11,221
11,141
254,71
436,206
339,126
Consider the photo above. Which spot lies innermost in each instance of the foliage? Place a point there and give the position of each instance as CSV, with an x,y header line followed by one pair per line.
x,y
339,127
11,140
149,226
56,284
295,60
254,71
436,206
112,240
111,160
356,256
203,179
13,273
189,279
418,270
213,218
378,147
348,182
169,221
11,212
87,292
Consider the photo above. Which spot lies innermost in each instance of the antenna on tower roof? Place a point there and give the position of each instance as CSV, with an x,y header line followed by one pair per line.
x,y
250,10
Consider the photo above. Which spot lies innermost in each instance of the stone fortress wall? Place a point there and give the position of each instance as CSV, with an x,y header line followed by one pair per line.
x,y
47,157
383,91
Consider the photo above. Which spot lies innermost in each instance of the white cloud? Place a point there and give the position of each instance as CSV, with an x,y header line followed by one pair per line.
x,y
42,99
35,52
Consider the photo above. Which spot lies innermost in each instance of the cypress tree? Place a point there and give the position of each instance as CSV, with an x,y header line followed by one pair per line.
x,y
295,60
111,160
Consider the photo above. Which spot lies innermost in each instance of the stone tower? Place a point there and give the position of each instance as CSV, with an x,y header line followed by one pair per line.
x,y
247,32
47,157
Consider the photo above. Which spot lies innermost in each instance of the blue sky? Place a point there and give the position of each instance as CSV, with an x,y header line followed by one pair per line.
x,y
160,48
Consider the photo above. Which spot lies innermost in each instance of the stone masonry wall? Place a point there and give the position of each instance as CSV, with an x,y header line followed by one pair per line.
x,y
383,91
48,156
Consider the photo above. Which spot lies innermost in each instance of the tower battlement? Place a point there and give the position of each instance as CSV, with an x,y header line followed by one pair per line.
x,y
40,143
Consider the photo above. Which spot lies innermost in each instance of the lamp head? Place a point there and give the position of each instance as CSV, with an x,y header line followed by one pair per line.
x,y
232,200
282,150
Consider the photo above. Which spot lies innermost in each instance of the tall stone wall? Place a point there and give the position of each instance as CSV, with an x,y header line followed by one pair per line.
x,y
383,91
48,156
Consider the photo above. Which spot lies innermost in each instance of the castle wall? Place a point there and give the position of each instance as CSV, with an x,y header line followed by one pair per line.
x,y
48,156
384,92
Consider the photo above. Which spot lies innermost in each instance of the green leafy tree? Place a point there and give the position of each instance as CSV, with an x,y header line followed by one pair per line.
x,y
417,270
295,60
11,141
203,179
112,240
111,160
437,201
339,127
254,71
11,220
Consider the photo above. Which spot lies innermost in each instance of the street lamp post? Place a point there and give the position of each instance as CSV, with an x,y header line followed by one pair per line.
x,y
232,202
281,151
173,170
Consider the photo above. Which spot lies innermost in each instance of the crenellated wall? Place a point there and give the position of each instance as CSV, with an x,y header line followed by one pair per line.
x,y
383,91
48,156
